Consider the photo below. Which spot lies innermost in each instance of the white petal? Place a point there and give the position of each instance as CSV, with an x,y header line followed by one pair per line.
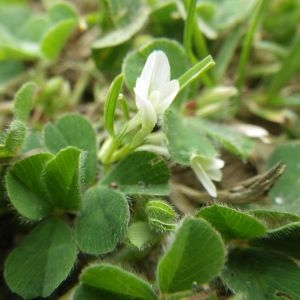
x,y
146,76
203,178
216,163
160,70
215,174
155,73
209,163
147,112
167,94
141,88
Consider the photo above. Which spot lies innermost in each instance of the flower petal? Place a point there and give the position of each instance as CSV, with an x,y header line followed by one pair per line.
x,y
167,94
155,73
215,163
215,174
160,70
147,112
203,177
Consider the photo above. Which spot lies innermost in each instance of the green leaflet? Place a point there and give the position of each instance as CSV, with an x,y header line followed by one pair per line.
x,y
42,261
139,173
261,274
196,255
231,223
102,222
112,279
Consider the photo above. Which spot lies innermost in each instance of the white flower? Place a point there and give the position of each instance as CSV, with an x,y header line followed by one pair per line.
x,y
154,91
206,170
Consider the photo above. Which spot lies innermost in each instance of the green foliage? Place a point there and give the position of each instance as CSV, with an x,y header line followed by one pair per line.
x,y
42,261
283,239
274,219
102,222
184,140
13,139
231,223
53,183
128,18
111,102
190,258
231,140
74,130
27,193
122,284
286,191
161,216
19,41
23,102
258,274
140,234
115,184
141,173
61,179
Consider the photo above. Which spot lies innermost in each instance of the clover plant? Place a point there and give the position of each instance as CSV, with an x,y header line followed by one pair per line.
x,y
129,167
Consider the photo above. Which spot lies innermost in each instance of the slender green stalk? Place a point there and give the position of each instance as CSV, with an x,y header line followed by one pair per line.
x,y
248,44
193,34
197,70
188,29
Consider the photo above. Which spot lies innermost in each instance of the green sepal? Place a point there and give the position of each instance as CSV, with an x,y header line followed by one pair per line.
x,y
111,103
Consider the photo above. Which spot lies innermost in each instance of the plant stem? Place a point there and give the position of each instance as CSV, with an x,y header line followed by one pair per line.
x,y
248,44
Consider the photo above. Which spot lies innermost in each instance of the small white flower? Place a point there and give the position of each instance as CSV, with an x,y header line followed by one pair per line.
x,y
206,170
154,91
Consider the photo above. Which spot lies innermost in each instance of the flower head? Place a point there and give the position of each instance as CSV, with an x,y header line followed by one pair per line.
x,y
154,91
206,170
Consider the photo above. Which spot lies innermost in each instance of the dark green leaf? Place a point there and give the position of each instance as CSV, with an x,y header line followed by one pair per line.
x,y
84,292
196,255
285,239
262,275
43,260
274,219
231,223
74,130
140,173
25,187
113,279
102,222
61,178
